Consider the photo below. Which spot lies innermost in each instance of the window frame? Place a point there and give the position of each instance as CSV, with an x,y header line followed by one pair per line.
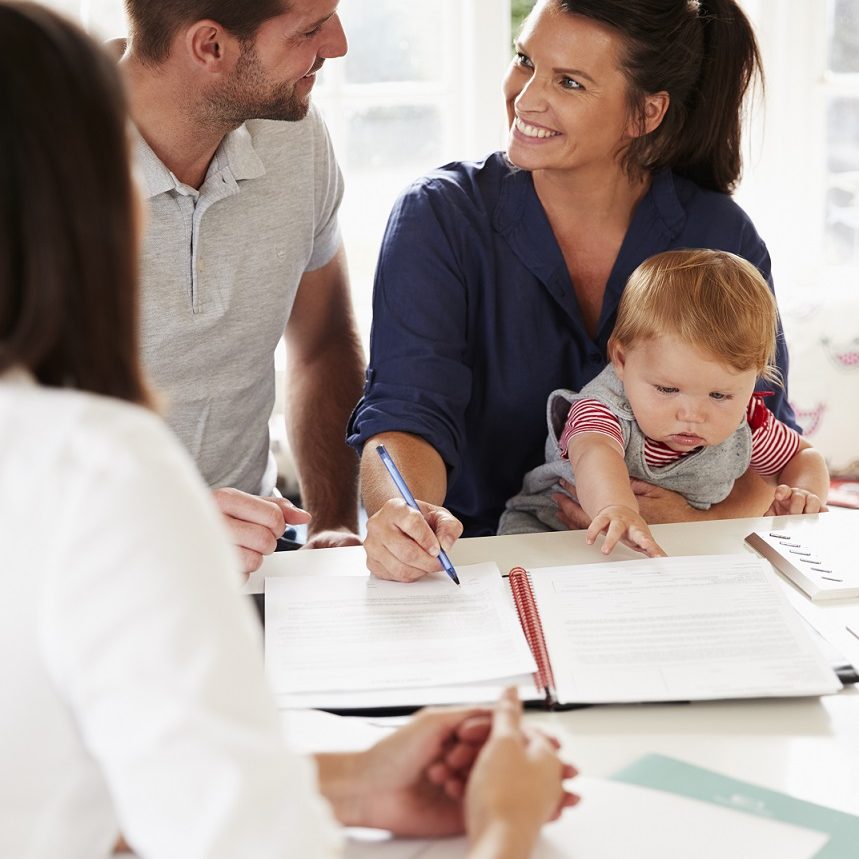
x,y
786,179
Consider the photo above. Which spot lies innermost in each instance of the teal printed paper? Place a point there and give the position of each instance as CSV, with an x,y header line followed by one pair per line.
x,y
674,776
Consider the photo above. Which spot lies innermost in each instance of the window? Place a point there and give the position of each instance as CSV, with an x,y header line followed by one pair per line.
x,y
519,10
104,18
420,86
801,179
841,88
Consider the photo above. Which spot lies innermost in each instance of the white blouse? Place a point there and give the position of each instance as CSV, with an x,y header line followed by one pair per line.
x,y
133,692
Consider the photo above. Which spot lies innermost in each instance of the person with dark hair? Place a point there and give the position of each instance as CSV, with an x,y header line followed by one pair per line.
x,y
134,695
242,247
498,282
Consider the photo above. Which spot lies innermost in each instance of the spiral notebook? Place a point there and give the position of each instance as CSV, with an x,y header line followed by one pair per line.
x,y
662,629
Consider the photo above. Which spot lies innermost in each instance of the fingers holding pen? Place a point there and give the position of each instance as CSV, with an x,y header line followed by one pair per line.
x,y
403,544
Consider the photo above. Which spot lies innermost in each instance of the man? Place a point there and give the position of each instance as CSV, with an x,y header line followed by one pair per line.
x,y
242,244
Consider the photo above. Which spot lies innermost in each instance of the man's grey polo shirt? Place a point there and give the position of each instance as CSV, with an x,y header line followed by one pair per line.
x,y
220,271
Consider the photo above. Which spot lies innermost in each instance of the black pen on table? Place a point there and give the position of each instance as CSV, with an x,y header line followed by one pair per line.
x,y
410,500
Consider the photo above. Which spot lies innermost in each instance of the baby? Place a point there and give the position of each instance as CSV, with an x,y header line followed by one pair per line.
x,y
676,406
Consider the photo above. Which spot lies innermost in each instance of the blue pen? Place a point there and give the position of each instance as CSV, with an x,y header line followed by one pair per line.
x,y
410,500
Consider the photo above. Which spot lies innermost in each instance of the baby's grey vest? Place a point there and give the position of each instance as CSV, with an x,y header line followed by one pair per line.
x,y
703,478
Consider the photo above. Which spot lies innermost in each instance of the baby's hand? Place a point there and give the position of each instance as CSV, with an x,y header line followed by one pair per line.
x,y
625,525
789,500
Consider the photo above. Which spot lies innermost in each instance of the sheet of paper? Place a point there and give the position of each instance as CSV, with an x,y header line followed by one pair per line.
x,y
345,633
673,776
665,629
484,693
617,820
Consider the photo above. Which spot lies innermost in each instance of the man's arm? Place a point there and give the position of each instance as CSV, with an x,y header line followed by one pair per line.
x,y
325,366
402,544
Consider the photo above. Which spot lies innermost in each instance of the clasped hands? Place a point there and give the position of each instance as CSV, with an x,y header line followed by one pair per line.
x,y
453,770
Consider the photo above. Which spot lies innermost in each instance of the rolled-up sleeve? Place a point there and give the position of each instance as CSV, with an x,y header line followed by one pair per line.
x,y
419,379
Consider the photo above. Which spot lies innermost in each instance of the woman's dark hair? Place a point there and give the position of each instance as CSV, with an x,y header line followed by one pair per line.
x,y
704,55
68,250
154,23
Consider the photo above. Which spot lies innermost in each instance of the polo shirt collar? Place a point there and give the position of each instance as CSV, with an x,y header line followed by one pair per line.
x,y
155,177
237,149
236,154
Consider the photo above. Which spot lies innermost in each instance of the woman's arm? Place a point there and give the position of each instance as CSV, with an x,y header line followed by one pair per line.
x,y
449,770
159,661
419,380
803,483
402,544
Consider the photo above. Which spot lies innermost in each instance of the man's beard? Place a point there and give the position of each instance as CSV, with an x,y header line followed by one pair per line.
x,y
248,94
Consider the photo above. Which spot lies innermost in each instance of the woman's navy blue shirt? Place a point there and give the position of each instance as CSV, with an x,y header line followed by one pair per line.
x,y
475,320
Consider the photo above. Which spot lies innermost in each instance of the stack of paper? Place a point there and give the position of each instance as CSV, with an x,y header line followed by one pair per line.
x,y
350,642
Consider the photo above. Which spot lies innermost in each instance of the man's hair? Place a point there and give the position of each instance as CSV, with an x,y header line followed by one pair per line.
x,y
712,300
68,250
153,24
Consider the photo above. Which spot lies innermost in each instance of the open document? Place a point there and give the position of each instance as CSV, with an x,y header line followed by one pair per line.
x,y
351,642
660,629
681,629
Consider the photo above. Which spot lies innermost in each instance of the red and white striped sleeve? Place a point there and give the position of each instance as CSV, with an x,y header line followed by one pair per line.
x,y
773,443
590,416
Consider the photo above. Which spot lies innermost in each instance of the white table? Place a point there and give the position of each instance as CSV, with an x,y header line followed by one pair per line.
x,y
808,747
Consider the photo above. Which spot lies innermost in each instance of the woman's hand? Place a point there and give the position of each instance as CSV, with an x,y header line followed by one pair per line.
x,y
424,779
403,545
413,781
789,500
516,785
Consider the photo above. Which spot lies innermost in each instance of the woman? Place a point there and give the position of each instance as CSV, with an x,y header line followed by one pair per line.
x,y
134,695
499,281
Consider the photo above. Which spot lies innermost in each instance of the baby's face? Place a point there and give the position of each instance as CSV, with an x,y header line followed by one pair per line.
x,y
680,395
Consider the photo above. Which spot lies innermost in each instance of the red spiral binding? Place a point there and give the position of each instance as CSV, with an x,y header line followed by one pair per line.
x,y
529,618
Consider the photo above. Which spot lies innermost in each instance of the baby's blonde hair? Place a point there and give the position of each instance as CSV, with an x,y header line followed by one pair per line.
x,y
712,300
